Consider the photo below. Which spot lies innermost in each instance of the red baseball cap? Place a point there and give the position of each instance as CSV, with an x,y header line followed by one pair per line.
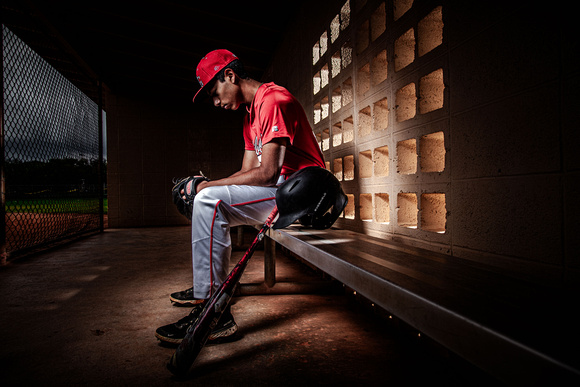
x,y
210,65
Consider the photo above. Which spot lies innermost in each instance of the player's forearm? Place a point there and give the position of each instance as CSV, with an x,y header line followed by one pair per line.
x,y
259,176
254,172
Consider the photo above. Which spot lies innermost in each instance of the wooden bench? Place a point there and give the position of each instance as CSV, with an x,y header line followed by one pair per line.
x,y
519,332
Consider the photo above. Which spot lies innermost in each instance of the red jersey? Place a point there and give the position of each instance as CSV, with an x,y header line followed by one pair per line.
x,y
275,112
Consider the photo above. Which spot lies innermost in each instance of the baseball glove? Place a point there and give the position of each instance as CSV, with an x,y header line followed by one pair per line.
x,y
184,201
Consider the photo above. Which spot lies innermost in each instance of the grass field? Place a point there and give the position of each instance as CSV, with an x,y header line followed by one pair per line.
x,y
45,206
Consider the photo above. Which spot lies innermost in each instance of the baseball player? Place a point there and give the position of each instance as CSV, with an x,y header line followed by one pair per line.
x,y
278,142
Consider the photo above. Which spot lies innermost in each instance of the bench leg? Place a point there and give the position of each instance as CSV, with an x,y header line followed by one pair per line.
x,y
269,262
269,273
239,236
270,286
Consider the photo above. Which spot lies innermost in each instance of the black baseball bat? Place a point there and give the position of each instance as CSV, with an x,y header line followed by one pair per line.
x,y
198,333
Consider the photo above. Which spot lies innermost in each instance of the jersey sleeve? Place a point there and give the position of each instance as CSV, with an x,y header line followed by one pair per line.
x,y
277,117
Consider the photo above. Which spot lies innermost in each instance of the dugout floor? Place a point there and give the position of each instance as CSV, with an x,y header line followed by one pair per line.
x,y
85,314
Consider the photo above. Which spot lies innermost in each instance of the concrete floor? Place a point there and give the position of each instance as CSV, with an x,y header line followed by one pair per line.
x,y
85,314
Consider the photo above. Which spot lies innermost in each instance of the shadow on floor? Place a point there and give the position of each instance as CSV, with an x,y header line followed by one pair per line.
x,y
85,314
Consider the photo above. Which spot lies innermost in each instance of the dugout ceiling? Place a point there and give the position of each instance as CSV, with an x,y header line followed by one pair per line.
x,y
147,47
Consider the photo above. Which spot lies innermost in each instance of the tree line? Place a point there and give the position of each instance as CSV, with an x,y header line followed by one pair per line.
x,y
55,174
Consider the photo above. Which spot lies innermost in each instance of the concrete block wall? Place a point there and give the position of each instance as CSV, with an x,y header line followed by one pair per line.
x,y
450,124
151,142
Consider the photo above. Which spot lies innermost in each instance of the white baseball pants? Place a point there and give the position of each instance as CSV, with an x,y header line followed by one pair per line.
x,y
215,210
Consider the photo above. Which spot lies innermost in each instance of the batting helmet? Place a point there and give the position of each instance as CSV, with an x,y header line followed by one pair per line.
x,y
312,195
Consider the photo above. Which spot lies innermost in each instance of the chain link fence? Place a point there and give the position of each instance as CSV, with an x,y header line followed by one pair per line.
x,y
51,156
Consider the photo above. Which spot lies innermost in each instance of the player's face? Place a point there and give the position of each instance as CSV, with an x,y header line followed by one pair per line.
x,y
225,94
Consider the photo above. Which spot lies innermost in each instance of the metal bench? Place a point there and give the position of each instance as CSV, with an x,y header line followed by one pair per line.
x,y
520,332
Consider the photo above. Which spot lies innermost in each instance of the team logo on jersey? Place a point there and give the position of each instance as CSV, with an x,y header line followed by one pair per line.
x,y
258,147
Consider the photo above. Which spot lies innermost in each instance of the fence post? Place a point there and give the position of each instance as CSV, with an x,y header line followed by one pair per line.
x,y
101,179
3,253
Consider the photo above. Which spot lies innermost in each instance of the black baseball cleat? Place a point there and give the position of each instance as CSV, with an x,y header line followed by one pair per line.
x,y
224,330
174,333
185,298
